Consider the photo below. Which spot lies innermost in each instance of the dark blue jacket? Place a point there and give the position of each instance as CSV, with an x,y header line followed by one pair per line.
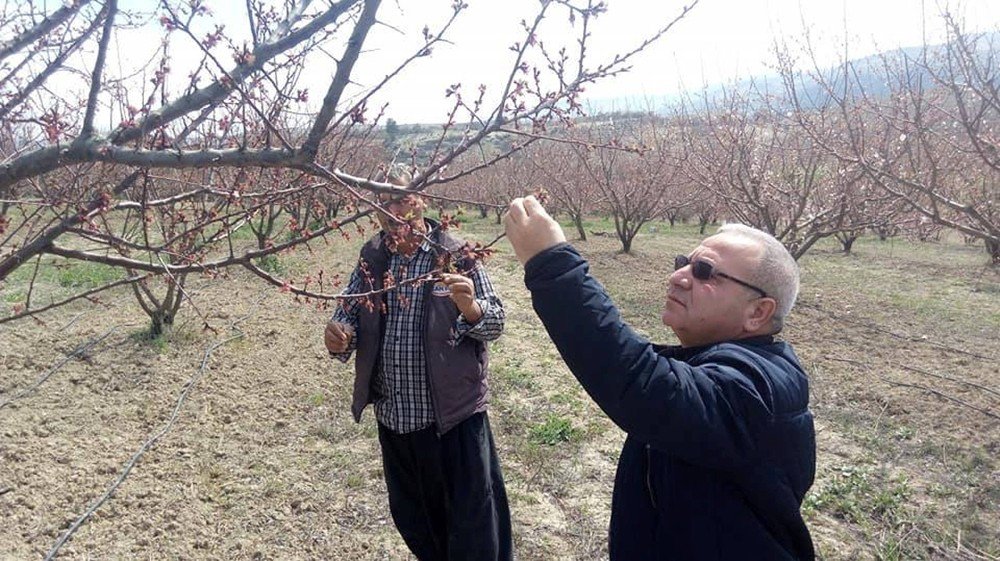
x,y
721,447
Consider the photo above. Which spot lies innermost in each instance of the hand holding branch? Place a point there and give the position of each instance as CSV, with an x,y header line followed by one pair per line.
x,y
530,229
463,294
337,336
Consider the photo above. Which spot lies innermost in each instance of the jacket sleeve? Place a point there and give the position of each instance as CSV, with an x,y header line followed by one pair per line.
x,y
698,413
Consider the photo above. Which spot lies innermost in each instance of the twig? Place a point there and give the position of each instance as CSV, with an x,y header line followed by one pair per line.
x,y
79,351
142,449
919,387
286,286
51,22
86,294
567,140
892,333
398,191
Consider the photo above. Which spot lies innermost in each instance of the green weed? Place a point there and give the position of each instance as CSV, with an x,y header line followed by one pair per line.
x,y
856,495
553,430
843,496
13,295
159,343
86,275
514,374
355,481
271,264
325,430
890,550
62,273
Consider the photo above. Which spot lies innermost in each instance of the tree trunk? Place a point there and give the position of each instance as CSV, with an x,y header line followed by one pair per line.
x,y
627,236
578,221
993,248
161,311
159,322
847,241
331,210
627,245
846,244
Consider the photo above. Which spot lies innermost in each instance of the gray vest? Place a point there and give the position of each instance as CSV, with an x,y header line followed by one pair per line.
x,y
457,374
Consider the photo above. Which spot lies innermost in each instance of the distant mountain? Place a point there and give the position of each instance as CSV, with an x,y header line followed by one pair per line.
x,y
630,104
867,72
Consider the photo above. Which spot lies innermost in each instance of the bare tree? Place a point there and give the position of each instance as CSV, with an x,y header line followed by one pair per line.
x,y
572,191
633,163
197,148
929,139
767,172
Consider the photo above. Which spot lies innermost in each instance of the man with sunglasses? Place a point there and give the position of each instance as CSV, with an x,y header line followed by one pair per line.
x,y
721,447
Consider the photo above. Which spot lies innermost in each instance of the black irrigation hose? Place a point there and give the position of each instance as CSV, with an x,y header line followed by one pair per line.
x,y
78,352
962,552
893,333
943,377
938,393
142,450
181,398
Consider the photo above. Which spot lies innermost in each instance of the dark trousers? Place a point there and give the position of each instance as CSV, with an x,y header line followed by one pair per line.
x,y
446,493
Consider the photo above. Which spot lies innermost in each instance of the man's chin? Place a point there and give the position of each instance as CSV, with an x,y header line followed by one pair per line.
x,y
666,318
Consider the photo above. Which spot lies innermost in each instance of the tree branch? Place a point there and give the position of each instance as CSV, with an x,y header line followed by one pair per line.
x,y
340,78
111,7
57,18
86,294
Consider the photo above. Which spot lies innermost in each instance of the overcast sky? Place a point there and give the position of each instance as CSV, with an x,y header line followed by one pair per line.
x,y
719,40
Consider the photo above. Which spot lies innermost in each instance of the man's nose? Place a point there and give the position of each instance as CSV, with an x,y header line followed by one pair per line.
x,y
681,278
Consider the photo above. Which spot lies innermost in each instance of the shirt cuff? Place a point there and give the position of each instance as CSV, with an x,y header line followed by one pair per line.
x,y
463,327
344,356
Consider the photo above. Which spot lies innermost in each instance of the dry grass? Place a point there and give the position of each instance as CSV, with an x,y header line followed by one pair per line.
x,y
264,461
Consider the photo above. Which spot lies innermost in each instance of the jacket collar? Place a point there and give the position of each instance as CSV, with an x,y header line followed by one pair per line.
x,y
679,352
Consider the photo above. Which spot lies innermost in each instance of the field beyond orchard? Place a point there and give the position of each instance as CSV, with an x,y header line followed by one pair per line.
x,y
262,460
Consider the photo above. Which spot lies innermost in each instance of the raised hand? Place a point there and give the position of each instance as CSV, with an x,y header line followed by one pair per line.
x,y
530,229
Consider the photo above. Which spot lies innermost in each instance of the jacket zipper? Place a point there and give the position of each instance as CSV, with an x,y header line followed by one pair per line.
x,y
649,480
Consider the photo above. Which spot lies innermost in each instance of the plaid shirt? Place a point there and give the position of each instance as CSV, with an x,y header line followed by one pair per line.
x,y
401,391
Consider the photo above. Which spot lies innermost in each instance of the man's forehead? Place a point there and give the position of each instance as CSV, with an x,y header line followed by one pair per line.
x,y
731,247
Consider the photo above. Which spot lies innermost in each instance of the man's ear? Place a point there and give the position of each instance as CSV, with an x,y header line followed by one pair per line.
x,y
759,315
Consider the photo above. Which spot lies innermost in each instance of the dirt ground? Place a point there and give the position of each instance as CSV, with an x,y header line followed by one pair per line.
x,y
236,441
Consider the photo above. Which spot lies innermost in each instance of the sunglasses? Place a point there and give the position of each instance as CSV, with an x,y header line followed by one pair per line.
x,y
703,270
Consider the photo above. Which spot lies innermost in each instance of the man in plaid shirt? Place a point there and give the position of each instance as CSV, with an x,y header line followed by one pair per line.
x,y
420,337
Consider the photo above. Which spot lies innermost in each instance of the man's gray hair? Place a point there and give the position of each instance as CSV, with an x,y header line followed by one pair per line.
x,y
776,272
